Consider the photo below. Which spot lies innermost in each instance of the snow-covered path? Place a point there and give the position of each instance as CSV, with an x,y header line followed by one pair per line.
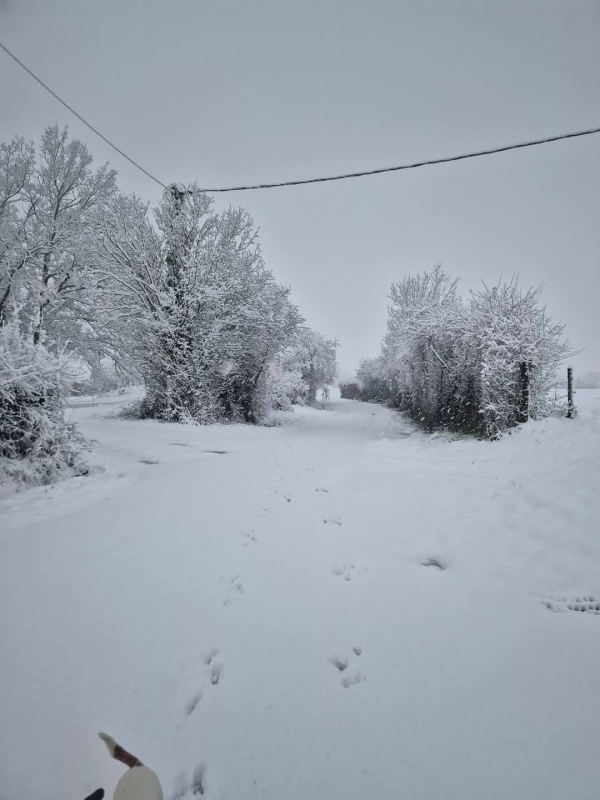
x,y
339,607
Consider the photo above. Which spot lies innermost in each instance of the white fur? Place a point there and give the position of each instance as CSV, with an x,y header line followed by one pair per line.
x,y
139,783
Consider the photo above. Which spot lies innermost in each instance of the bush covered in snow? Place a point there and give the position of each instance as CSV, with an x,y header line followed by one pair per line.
x,y
482,365
313,357
349,390
375,384
282,387
37,446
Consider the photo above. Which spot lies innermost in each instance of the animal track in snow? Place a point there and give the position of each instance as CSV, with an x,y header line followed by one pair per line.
x,y
346,570
197,785
149,461
332,520
236,587
342,664
216,671
434,562
199,779
193,703
322,490
252,537
586,603
284,496
181,787
210,656
351,680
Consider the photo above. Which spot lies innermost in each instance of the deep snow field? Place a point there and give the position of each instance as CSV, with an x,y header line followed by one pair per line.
x,y
338,606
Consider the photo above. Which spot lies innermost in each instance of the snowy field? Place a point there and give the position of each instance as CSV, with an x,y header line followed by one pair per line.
x,y
336,607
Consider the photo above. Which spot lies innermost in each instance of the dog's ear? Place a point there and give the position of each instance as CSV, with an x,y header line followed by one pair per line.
x,y
109,742
97,795
119,752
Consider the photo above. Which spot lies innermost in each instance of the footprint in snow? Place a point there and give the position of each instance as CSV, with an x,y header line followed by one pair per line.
x,y
347,571
434,562
352,680
587,603
193,704
332,520
342,664
210,656
181,787
199,779
197,786
149,461
236,588
252,537
286,497
216,670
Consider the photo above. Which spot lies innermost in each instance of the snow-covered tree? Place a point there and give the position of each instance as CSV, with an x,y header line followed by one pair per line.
x,y
483,365
17,163
45,205
244,320
518,350
282,387
314,357
204,315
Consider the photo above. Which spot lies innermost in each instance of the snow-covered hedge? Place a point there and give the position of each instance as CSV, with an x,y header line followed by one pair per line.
x,y
349,390
37,446
482,365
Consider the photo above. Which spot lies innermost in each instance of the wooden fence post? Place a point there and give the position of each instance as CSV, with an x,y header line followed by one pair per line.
x,y
525,377
570,404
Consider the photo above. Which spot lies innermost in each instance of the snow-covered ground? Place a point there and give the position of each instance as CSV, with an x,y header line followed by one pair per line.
x,y
337,607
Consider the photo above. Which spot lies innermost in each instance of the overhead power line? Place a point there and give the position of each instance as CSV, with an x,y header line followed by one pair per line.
x,y
345,176
85,122
413,165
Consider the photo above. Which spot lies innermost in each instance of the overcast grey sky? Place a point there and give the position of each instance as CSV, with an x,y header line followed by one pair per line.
x,y
223,92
